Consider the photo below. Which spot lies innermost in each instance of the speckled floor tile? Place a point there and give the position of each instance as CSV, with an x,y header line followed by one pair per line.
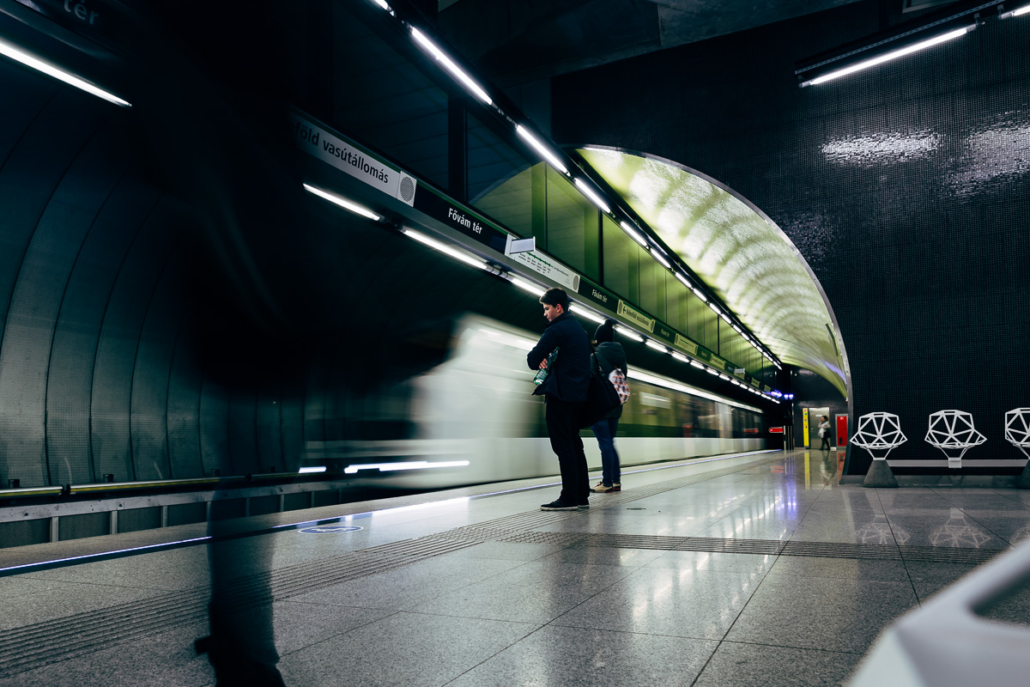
x,y
402,650
574,656
753,665
819,613
668,601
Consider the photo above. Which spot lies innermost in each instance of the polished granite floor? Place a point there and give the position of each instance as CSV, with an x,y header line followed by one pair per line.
x,y
551,607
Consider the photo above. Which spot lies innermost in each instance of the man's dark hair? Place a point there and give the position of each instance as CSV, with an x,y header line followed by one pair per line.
x,y
555,297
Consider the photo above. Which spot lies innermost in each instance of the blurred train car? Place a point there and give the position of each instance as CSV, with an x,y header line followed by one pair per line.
x,y
473,419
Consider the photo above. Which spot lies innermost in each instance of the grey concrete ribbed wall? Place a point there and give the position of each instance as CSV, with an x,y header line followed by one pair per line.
x,y
99,372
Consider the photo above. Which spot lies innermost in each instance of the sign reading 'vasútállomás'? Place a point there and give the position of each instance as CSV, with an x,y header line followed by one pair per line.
x,y
349,158
637,318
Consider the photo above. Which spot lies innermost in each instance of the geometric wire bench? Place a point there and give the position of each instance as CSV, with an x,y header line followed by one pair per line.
x,y
879,433
952,431
1017,429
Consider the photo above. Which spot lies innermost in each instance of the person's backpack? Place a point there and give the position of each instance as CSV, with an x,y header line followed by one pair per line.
x,y
606,393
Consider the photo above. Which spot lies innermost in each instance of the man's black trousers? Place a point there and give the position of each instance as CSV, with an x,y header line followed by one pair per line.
x,y
563,428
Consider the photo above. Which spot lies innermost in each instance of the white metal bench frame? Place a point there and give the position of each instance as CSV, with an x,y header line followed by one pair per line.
x,y
944,432
879,433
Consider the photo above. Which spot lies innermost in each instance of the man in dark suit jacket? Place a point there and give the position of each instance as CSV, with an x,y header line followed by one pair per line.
x,y
565,391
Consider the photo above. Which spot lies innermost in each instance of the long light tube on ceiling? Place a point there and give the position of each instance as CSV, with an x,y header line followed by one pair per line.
x,y
592,195
701,294
697,364
445,249
634,234
683,280
587,313
657,346
32,62
661,259
629,334
1018,12
382,3
449,65
680,357
539,147
886,57
343,203
527,286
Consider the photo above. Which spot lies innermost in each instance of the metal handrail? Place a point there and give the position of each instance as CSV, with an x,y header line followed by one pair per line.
x,y
947,644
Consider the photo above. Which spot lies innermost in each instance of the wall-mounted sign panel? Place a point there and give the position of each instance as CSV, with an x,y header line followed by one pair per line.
x,y
545,265
638,318
685,344
352,159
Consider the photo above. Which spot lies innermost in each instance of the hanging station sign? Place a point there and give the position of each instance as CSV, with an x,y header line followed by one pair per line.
x,y
352,159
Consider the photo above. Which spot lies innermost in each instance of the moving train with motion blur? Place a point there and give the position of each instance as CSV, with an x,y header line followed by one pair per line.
x,y
473,419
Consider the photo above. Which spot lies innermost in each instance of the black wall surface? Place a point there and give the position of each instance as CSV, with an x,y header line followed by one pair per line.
x,y
905,187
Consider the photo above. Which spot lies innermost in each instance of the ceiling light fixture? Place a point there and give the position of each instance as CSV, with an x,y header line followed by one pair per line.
x,y
1018,12
587,313
547,154
449,65
629,333
592,195
443,248
32,62
634,234
887,57
661,259
343,203
657,346
527,286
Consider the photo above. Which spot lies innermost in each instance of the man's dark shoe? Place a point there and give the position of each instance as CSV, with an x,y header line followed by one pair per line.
x,y
583,506
559,505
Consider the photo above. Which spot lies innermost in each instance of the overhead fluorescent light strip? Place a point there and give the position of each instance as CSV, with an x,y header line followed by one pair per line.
x,y
382,3
449,65
445,249
592,195
629,333
887,57
20,56
661,260
657,346
320,468
584,312
700,294
1015,13
527,286
634,234
343,203
539,147
683,280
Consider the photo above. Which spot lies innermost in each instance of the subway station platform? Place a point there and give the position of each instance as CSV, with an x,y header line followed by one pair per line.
x,y
755,569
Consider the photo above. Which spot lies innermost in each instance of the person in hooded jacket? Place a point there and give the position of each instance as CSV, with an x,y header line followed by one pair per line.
x,y
609,356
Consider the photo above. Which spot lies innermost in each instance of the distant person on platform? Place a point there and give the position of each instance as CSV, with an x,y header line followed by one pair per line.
x,y
610,356
824,433
565,392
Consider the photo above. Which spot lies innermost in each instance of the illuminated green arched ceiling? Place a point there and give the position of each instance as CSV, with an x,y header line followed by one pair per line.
x,y
738,252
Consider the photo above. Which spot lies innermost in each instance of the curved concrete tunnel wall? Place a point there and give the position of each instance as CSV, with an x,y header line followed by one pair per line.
x,y
103,369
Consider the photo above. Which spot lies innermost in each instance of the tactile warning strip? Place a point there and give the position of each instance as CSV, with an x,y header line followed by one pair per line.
x,y
34,646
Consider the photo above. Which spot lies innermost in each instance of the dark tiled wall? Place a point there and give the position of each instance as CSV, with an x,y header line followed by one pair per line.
x,y
905,187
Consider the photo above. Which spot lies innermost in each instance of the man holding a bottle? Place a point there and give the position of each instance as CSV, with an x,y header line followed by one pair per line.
x,y
565,391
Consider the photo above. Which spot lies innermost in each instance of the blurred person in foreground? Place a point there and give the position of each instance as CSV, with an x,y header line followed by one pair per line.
x,y
610,357
565,392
